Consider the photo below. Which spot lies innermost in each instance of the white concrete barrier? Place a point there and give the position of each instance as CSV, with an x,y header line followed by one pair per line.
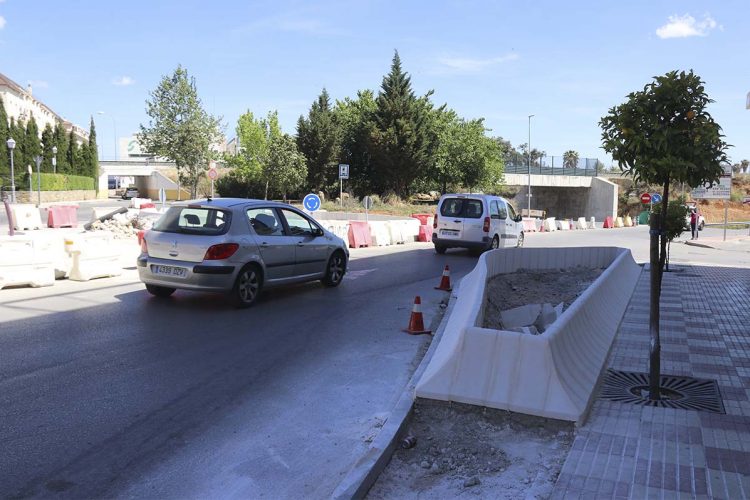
x,y
549,224
338,227
94,255
619,222
592,223
581,223
24,262
552,374
628,221
379,233
26,216
563,225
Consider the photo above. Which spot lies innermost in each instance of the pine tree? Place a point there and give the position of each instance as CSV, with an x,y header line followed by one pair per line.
x,y
72,155
31,144
317,140
93,154
403,141
61,141
48,140
4,136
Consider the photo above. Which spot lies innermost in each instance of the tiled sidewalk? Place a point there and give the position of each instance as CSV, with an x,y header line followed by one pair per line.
x,y
631,451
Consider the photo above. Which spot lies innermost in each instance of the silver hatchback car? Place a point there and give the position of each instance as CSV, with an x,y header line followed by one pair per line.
x,y
237,246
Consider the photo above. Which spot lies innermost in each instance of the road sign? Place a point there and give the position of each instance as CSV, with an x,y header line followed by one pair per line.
x,y
656,198
162,195
212,174
719,191
343,171
645,198
311,202
367,202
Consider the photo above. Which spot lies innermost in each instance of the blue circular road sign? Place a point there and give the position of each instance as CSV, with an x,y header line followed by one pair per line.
x,y
656,198
311,202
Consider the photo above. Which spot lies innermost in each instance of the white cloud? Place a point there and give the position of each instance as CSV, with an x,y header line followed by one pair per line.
x,y
2,22
38,84
123,81
685,26
469,65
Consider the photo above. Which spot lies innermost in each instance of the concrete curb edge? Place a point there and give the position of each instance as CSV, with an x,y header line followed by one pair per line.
x,y
365,472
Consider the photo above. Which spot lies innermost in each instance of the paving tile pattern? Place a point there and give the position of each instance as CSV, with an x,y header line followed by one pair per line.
x,y
634,452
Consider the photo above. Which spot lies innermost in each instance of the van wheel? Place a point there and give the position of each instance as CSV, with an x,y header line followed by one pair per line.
x,y
335,270
495,243
159,291
247,286
440,249
520,241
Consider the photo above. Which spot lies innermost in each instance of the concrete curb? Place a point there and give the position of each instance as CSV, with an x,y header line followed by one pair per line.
x,y
366,471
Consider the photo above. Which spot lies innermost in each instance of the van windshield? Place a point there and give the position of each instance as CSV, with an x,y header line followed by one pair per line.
x,y
461,207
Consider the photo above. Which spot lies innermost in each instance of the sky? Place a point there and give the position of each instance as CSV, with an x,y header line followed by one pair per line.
x,y
566,63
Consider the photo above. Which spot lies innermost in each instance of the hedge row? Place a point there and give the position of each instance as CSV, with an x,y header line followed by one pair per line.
x,y
63,182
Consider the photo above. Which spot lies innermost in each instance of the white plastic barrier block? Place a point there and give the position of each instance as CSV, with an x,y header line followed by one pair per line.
x,y
137,202
562,225
396,232
409,229
552,374
549,224
338,227
619,222
94,255
581,223
592,223
379,233
26,216
628,221
24,263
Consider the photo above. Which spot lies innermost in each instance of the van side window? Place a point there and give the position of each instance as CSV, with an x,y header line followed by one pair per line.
x,y
511,212
503,210
494,211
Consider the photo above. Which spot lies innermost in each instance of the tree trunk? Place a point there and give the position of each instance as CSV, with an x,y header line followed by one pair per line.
x,y
653,323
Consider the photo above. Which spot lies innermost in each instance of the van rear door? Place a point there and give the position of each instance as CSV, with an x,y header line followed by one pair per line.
x,y
460,218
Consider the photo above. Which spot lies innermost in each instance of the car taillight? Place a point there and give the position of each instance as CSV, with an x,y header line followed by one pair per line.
x,y
144,246
221,252
486,226
434,222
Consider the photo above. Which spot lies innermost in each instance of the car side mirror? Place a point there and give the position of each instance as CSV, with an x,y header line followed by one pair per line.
x,y
518,218
319,232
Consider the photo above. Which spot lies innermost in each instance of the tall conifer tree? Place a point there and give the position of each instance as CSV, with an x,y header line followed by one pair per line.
x,y
61,141
48,139
4,136
93,154
72,155
317,140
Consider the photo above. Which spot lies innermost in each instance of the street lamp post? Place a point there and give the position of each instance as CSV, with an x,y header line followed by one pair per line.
x,y
529,194
54,159
114,128
11,146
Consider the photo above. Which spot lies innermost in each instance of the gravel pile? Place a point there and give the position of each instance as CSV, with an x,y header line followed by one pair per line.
x,y
124,226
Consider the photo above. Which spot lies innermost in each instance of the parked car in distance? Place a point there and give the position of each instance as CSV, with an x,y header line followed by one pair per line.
x,y
701,221
476,221
237,247
130,192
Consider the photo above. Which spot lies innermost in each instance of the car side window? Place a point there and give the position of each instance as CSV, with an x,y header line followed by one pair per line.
x,y
494,211
265,222
298,225
502,210
511,212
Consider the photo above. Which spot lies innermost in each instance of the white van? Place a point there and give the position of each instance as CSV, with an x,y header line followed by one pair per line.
x,y
476,221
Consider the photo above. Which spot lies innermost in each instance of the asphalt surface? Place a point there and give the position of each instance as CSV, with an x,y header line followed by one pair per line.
x,y
108,392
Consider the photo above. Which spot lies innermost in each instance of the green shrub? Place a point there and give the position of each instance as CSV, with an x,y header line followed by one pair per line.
x,y
63,182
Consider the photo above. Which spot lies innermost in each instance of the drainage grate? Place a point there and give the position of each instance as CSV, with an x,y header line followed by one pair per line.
x,y
686,393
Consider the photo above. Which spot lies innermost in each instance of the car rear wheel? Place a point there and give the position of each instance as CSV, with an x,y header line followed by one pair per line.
x,y
700,226
247,286
159,291
440,249
495,243
335,270
520,241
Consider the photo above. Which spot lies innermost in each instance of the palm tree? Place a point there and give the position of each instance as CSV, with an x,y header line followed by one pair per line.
x,y
570,159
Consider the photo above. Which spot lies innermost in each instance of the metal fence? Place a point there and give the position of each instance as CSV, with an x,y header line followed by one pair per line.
x,y
553,165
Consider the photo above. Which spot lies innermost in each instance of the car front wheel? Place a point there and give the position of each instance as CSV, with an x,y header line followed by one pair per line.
x,y
247,286
520,241
335,270
159,291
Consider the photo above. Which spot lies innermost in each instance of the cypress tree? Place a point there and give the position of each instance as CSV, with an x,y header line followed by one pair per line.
x,y
403,140
61,141
72,154
16,131
31,146
317,140
4,136
93,154
48,139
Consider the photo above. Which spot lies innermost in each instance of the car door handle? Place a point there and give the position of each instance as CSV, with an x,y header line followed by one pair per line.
x,y
300,244
457,221
264,244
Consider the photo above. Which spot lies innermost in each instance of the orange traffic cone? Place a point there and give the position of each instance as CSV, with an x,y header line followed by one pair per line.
x,y
416,323
445,282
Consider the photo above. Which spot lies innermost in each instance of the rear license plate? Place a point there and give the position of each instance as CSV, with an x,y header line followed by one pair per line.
x,y
177,272
448,232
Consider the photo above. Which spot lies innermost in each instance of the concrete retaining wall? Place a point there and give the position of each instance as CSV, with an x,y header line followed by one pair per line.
x,y
550,375
59,196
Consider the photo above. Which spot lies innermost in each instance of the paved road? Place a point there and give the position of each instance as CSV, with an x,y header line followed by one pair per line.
x,y
105,391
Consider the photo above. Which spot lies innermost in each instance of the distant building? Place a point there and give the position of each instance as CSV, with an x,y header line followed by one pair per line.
x,y
21,105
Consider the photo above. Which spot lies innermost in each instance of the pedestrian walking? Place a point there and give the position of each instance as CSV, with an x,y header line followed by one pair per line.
x,y
694,223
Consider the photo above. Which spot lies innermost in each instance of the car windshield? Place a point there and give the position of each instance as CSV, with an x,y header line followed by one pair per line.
x,y
461,207
194,220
